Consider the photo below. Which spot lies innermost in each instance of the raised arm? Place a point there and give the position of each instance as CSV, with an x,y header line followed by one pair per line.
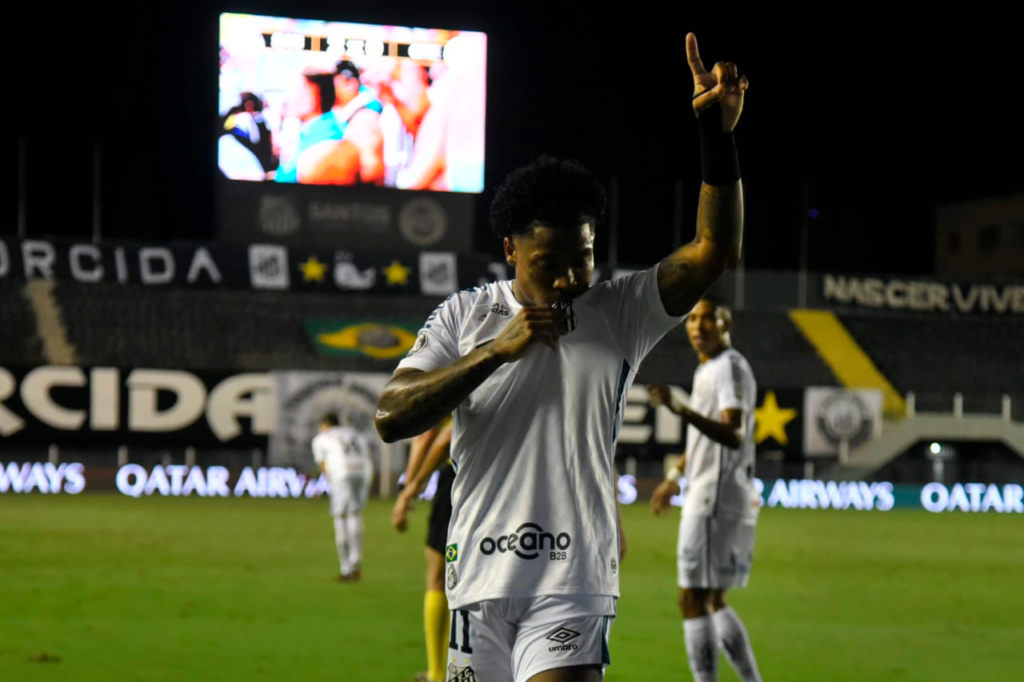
x,y
686,274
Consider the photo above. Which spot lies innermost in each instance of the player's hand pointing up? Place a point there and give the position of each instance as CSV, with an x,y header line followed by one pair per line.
x,y
722,85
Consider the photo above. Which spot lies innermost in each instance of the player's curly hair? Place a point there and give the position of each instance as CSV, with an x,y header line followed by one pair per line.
x,y
552,192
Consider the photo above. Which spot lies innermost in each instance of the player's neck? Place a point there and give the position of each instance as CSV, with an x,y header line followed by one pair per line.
x,y
517,293
704,357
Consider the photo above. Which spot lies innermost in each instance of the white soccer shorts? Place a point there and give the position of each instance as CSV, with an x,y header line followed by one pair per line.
x,y
349,495
715,553
513,639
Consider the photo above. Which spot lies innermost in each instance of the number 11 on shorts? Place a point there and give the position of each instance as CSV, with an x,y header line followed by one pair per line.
x,y
454,642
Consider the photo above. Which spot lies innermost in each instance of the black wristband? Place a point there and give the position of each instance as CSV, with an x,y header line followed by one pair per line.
x,y
719,160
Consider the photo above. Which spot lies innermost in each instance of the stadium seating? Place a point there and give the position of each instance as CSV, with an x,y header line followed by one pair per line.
x,y
19,340
214,330
203,329
935,357
779,355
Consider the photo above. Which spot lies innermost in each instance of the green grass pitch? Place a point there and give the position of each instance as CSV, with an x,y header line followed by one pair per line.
x,y
104,587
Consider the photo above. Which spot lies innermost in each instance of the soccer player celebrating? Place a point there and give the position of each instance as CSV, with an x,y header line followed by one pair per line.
x,y
536,370
344,455
716,534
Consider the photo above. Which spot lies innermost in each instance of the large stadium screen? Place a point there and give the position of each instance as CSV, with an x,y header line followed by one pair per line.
x,y
330,103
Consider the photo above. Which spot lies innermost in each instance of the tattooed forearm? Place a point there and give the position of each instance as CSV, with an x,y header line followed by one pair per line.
x,y
687,273
415,401
720,218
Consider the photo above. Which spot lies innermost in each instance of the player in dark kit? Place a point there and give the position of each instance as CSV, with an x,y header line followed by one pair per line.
x,y
429,453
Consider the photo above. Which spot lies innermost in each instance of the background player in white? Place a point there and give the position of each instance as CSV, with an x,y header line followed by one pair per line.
x,y
344,455
716,533
536,370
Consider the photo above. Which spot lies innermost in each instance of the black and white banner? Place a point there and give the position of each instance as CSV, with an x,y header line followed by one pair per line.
x,y
356,217
280,410
152,265
921,295
649,431
280,267
267,267
108,405
264,267
834,415
302,399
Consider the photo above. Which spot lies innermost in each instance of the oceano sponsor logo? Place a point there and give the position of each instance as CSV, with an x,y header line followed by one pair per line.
x,y
526,542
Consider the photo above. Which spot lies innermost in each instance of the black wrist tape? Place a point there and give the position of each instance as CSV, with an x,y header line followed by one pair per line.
x,y
719,160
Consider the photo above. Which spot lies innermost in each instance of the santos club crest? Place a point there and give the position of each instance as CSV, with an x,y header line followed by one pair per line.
x,y
570,316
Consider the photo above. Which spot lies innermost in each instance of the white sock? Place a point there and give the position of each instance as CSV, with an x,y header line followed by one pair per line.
x,y
735,643
701,649
341,542
355,539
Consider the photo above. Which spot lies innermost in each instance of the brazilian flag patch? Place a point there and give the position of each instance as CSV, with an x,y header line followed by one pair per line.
x,y
451,553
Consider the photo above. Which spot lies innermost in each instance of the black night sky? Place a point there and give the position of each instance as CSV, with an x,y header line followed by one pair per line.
x,y
883,115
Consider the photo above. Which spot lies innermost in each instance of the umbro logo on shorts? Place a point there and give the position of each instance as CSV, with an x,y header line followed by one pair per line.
x,y
563,636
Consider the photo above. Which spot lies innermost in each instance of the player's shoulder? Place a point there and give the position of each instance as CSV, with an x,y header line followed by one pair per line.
x,y
738,358
622,278
623,283
733,356
733,362
456,305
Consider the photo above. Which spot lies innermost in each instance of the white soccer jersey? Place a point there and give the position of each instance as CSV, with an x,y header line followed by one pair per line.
x,y
534,445
720,480
346,452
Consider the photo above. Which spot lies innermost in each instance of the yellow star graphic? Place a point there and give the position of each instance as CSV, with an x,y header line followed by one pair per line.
x,y
771,420
397,274
313,270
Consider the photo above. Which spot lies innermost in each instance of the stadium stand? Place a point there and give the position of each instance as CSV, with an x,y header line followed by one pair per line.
x,y
18,337
198,329
780,355
936,357
216,330
205,329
